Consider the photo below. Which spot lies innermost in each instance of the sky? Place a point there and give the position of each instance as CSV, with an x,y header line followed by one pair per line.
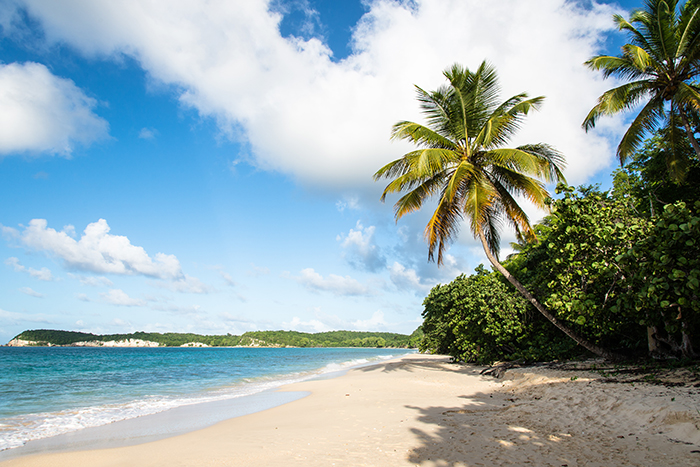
x,y
206,166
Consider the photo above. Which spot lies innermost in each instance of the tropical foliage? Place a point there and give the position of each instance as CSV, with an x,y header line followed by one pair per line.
x,y
664,267
461,161
480,319
626,282
661,66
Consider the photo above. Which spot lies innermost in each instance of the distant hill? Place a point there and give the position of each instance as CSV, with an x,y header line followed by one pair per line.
x,y
45,337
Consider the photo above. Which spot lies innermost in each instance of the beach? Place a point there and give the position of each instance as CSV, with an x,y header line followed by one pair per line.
x,y
423,410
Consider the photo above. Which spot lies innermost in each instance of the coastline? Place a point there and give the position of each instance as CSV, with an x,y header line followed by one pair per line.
x,y
419,409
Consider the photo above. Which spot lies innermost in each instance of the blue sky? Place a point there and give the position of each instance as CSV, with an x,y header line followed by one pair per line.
x,y
191,167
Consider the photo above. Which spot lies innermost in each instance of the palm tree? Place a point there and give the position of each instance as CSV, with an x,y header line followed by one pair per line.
x,y
462,162
661,63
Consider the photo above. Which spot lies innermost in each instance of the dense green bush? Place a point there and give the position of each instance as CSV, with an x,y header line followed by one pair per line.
x,y
481,319
574,267
620,279
664,270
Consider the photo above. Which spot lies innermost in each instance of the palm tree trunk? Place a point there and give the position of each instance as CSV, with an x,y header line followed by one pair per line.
x,y
690,133
601,352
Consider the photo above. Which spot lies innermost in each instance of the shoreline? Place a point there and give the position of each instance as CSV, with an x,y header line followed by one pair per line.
x,y
419,409
178,387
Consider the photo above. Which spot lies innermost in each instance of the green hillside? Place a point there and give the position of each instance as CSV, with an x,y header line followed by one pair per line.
x,y
257,338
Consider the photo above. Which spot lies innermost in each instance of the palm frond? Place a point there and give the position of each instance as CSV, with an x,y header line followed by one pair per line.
x,y
520,184
442,228
414,199
637,37
421,135
616,100
688,95
538,160
422,165
646,121
504,121
514,213
621,67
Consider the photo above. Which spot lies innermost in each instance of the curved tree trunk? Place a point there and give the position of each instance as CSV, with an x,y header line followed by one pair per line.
x,y
689,132
601,352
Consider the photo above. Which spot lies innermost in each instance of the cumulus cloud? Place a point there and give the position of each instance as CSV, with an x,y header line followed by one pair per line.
x,y
335,284
43,274
407,279
322,322
331,119
361,250
32,293
374,323
312,325
120,298
41,113
99,251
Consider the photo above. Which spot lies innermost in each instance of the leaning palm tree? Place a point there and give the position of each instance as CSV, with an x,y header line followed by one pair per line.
x,y
661,65
461,161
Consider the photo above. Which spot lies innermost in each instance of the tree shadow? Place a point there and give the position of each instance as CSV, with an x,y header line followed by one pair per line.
x,y
518,429
425,363
478,434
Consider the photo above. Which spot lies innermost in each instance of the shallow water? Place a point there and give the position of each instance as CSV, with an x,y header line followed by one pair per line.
x,y
51,391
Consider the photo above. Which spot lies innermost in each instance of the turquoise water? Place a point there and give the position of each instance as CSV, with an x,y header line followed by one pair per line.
x,y
48,391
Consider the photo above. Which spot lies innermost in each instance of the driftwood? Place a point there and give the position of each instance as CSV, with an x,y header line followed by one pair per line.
x,y
499,369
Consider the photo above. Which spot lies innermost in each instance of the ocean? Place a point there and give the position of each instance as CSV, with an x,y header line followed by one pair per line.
x,y
51,393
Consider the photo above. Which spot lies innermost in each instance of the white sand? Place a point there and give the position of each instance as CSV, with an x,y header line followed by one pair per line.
x,y
421,410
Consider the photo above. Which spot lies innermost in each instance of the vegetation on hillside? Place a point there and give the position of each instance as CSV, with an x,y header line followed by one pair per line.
x,y
256,338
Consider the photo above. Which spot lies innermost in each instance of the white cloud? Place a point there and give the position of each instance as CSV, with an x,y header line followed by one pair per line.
x,y
10,317
191,310
32,293
408,279
41,113
148,133
322,322
227,277
120,298
94,281
99,251
312,325
256,271
348,202
331,120
186,284
335,284
362,251
374,323
43,274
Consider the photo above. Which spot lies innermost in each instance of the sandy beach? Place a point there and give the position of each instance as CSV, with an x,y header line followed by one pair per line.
x,y
422,410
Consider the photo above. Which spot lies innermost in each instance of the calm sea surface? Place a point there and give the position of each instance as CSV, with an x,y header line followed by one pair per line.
x,y
48,391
